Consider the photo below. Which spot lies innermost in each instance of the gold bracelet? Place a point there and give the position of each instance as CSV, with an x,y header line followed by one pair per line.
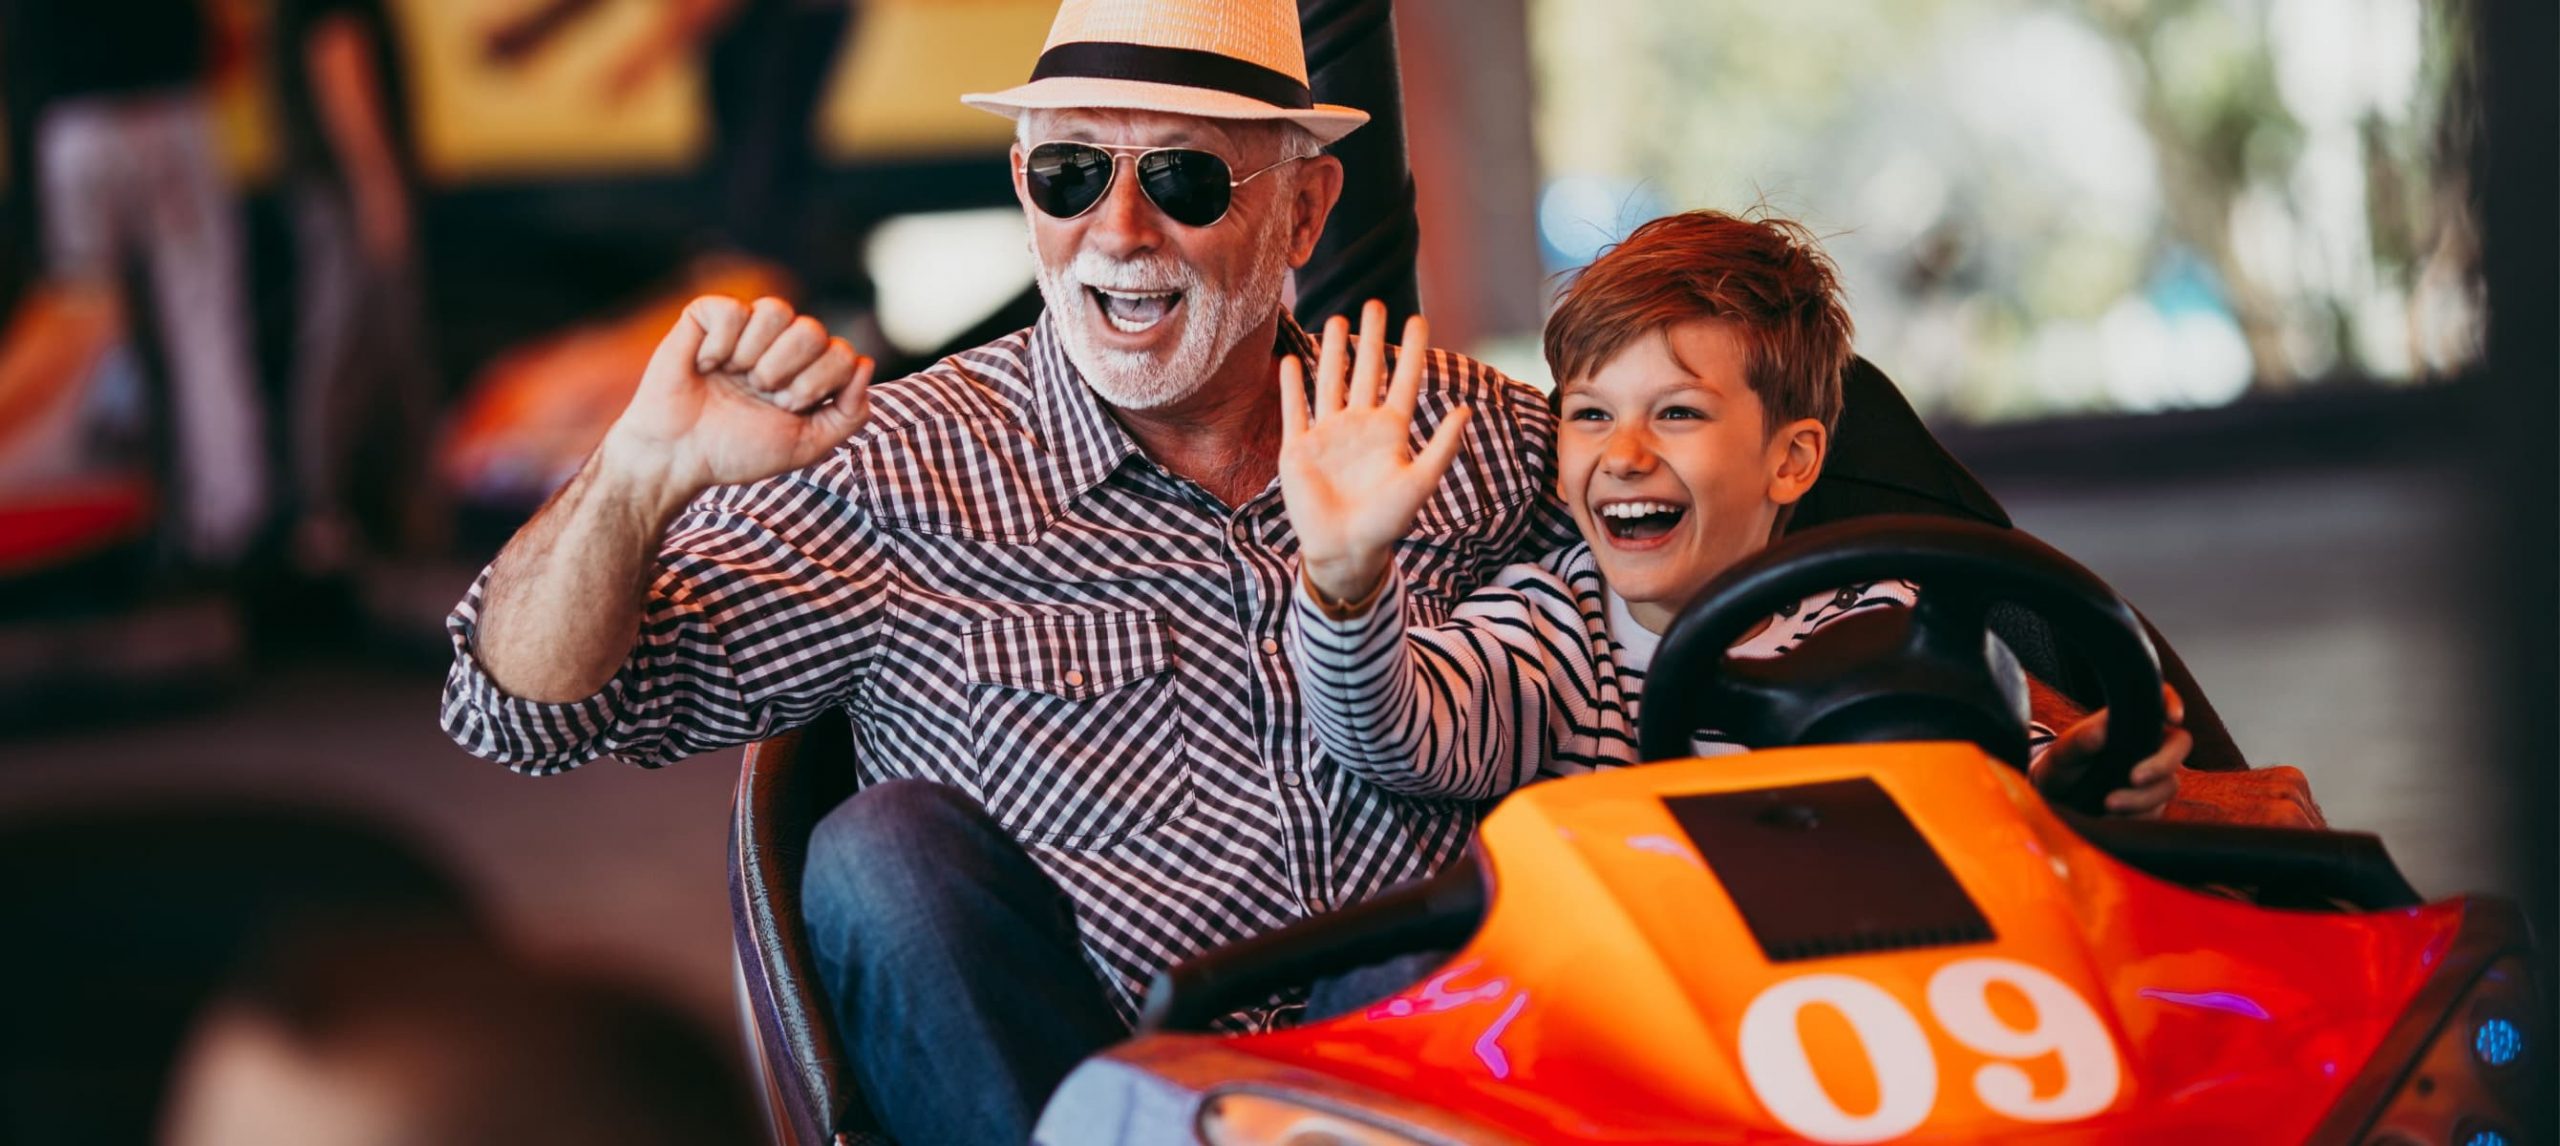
x,y
1345,610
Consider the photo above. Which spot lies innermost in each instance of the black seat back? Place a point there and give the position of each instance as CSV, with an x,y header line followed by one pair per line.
x,y
1885,460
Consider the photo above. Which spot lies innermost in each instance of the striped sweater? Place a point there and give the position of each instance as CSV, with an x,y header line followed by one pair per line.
x,y
1538,674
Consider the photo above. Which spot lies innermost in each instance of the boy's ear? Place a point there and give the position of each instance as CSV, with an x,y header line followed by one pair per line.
x,y
1795,459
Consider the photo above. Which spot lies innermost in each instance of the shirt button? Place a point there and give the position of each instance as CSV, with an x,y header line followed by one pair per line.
x,y
1075,679
1290,779
1270,646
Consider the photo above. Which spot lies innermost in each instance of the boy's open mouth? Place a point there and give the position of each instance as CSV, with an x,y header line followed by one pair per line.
x,y
1639,520
1134,312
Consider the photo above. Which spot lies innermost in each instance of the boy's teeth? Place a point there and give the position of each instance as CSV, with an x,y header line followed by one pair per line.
x,y
1641,520
1637,509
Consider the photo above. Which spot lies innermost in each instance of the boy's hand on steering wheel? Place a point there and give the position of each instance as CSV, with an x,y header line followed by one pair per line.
x,y
1347,470
2154,782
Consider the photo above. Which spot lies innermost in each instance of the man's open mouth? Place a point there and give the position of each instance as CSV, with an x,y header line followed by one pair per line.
x,y
1134,312
1639,520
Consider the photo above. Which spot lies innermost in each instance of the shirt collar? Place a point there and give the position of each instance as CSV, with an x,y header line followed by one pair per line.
x,y
1085,444
1635,642
1083,441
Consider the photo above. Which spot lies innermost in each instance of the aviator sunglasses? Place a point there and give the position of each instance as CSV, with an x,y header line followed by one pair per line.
x,y
1192,187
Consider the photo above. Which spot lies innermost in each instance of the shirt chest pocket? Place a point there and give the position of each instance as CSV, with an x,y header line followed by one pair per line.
x,y
1077,726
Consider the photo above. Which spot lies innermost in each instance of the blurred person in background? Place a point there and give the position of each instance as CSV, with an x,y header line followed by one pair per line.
x,y
364,388
126,170
125,917
380,1039
766,64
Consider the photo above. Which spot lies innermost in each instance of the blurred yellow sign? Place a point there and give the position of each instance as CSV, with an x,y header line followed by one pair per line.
x,y
897,92
550,114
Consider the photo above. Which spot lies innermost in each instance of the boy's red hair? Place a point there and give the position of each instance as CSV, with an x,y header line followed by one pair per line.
x,y
1765,276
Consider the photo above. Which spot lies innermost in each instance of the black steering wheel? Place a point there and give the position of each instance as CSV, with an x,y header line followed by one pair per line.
x,y
1931,672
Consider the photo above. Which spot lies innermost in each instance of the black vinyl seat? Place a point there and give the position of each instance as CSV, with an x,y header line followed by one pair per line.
x,y
785,786
1883,460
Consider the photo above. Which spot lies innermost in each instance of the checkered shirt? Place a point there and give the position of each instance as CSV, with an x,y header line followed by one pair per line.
x,y
1006,596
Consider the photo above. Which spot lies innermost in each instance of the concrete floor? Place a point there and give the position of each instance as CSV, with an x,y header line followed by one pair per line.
x,y
2319,609
2328,616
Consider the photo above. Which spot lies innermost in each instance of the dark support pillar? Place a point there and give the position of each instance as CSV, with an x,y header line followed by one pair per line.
x,y
1369,246
1467,129
2514,426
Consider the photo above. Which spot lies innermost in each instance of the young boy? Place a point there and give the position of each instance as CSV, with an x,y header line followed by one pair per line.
x,y
1698,370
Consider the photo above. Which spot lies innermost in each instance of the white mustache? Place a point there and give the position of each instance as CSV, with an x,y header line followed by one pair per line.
x,y
1150,275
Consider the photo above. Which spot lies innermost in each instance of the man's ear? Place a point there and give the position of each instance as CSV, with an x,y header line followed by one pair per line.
x,y
1319,187
1013,158
1795,459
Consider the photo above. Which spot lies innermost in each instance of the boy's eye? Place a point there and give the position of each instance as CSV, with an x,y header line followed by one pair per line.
x,y
1587,414
1683,412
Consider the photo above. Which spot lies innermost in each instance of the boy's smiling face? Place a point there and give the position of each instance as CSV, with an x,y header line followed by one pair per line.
x,y
1666,459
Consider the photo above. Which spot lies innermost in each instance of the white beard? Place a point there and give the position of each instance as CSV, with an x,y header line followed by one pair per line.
x,y
1213,320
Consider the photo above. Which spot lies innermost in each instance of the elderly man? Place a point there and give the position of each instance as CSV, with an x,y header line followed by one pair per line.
x,y
1047,578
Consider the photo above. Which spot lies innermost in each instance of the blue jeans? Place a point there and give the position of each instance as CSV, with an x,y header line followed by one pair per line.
x,y
954,971
952,965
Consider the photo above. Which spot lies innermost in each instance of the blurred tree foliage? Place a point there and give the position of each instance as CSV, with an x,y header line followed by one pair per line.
x,y
2049,205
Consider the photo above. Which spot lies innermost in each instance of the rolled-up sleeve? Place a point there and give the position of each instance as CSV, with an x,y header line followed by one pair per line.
x,y
760,617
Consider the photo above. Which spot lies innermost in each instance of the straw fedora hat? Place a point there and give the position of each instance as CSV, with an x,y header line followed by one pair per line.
x,y
1221,59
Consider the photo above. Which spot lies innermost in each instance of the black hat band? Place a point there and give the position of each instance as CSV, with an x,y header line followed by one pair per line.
x,y
1183,67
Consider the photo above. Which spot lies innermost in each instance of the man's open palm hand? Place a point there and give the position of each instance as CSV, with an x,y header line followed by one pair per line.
x,y
738,392
1347,469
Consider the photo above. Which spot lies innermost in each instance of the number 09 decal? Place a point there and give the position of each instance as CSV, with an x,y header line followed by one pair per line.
x,y
1781,1072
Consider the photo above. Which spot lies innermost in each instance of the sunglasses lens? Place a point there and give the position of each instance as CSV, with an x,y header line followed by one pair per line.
x,y
1190,187
1066,179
